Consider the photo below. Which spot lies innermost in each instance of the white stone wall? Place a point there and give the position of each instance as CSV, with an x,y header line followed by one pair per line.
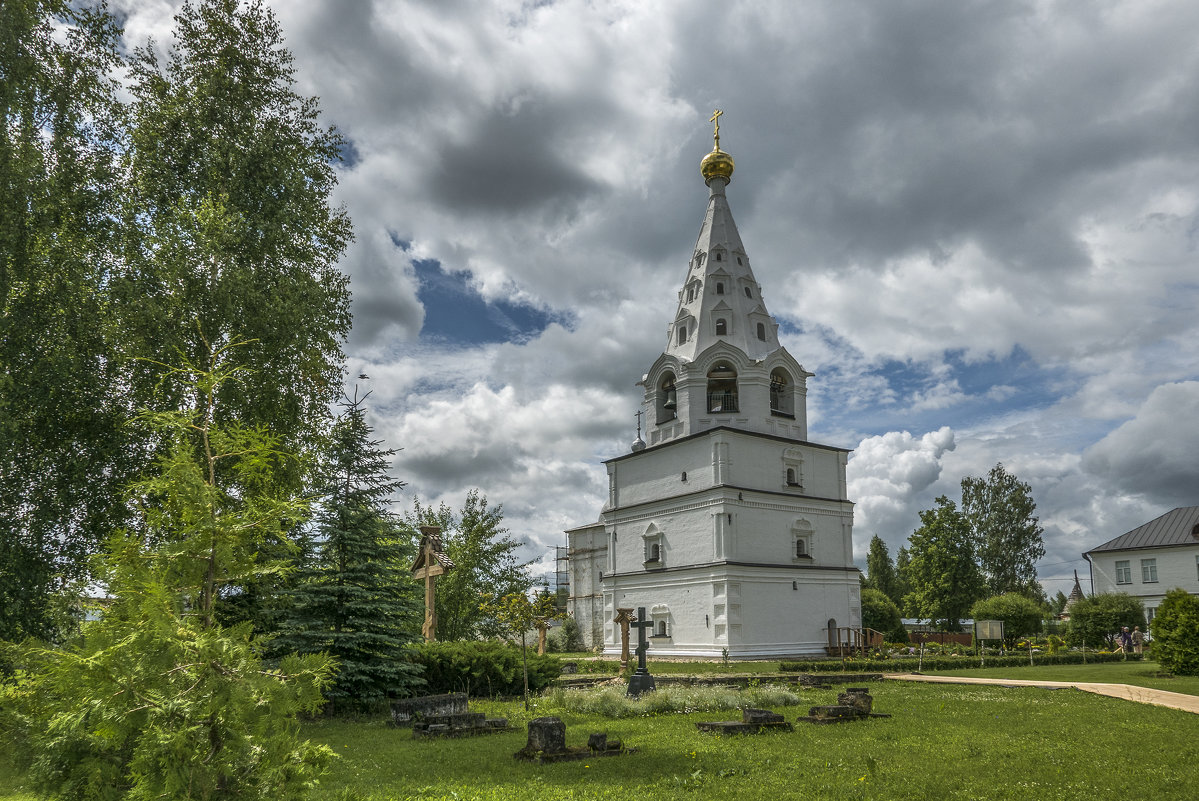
x,y
1176,567
587,549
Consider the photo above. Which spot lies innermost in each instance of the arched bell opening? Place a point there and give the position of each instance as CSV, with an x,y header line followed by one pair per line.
x,y
782,393
722,388
668,398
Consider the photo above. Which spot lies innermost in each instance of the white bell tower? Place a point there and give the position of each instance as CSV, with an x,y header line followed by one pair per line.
x,y
725,523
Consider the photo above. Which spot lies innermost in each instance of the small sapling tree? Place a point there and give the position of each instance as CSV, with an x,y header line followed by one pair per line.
x,y
516,614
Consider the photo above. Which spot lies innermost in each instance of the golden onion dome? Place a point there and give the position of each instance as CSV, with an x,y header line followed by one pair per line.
x,y
716,164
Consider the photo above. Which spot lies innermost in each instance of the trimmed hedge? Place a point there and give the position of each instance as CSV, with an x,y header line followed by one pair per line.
x,y
482,669
908,663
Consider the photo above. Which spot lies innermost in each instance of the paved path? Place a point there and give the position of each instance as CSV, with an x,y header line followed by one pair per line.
x,y
1143,695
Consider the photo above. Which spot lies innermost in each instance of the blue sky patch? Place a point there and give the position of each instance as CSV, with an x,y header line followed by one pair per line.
x,y
456,313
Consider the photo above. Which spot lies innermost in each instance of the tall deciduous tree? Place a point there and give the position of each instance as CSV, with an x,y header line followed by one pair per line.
x,y
63,455
1007,535
229,231
903,585
945,580
157,699
880,571
485,564
356,599
229,234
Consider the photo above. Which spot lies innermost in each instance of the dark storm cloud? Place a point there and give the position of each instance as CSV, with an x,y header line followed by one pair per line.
x,y
503,166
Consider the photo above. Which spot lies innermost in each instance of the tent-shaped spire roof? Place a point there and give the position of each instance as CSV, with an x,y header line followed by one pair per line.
x,y
720,301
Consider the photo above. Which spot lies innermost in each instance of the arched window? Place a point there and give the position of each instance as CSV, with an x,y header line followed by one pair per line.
x,y
661,628
668,402
791,482
682,334
722,388
722,327
761,330
720,287
655,553
801,547
782,394
718,256
690,294
739,260
748,293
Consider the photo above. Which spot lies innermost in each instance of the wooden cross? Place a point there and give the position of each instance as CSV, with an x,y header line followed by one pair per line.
x,y
430,563
715,120
624,616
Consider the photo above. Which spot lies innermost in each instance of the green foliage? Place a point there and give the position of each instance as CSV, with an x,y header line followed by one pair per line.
x,y
881,614
63,453
355,599
880,571
1007,535
229,226
157,699
516,614
1096,621
1176,633
132,236
1020,615
1057,604
909,663
482,669
485,565
613,702
567,637
944,579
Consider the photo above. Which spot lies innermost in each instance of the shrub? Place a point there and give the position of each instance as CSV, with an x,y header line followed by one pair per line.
x,y
933,662
482,669
566,637
1095,621
612,702
881,614
1019,614
1176,633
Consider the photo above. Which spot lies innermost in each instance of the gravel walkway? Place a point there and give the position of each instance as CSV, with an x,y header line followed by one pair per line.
x,y
1142,695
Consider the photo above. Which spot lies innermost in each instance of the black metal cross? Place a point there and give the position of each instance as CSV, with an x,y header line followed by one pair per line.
x,y
642,643
641,681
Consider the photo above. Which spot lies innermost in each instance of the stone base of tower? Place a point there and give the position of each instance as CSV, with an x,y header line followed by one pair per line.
x,y
738,611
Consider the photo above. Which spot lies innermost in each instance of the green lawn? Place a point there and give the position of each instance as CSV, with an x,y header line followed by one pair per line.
x,y
944,742
1140,674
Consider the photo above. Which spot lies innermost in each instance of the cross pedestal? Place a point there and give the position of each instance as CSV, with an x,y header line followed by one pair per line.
x,y
641,681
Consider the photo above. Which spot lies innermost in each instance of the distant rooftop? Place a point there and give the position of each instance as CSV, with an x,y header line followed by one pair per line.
x,y
1177,527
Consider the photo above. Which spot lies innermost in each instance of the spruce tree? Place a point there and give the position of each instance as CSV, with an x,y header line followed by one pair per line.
x,y
355,599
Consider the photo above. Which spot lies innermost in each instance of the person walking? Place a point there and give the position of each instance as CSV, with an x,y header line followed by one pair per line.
x,y
1125,640
1138,640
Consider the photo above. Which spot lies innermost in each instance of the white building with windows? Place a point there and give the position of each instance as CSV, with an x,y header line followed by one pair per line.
x,y
726,524
1151,559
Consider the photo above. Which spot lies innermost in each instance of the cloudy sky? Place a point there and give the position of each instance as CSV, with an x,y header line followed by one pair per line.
x,y
976,223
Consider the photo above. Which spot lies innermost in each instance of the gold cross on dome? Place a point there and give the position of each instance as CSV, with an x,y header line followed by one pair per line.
x,y
715,120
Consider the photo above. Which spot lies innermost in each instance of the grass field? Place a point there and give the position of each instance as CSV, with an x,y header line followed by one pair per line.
x,y
944,742
1140,674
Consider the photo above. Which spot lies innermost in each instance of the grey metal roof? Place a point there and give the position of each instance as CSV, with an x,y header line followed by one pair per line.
x,y
1177,527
